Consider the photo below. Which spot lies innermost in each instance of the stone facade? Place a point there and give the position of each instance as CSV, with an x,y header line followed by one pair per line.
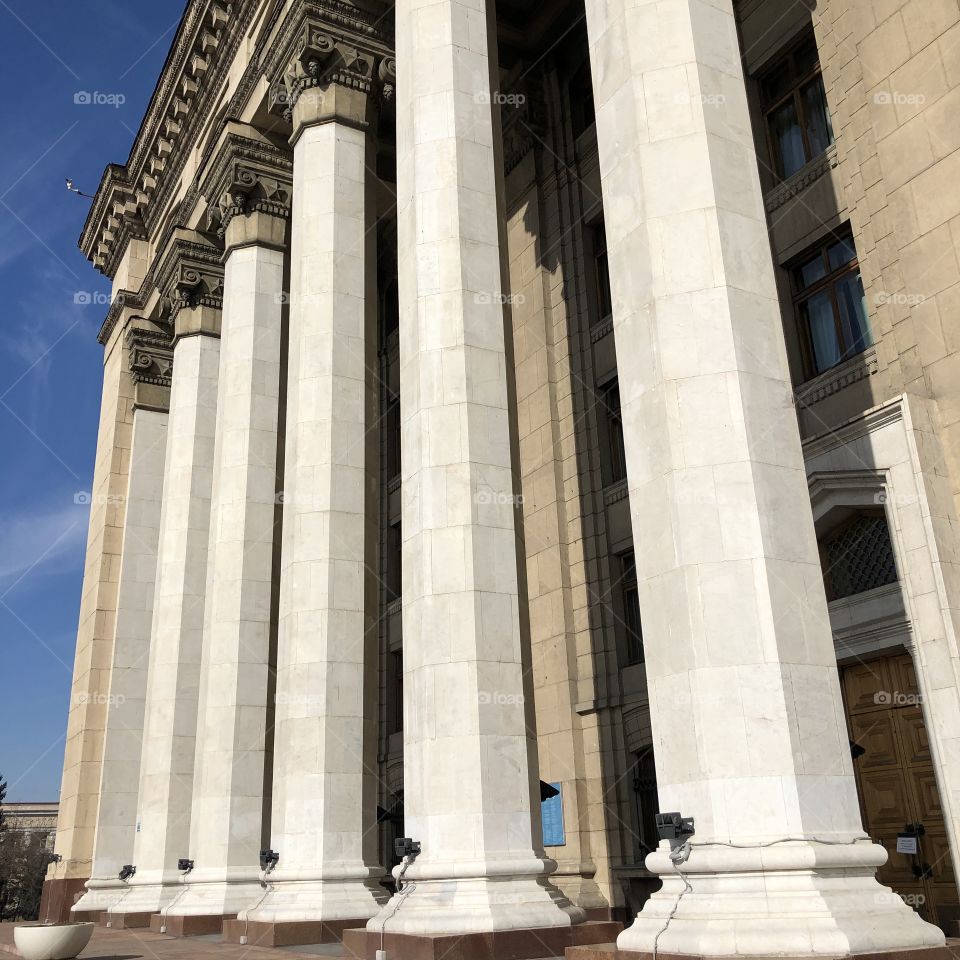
x,y
496,397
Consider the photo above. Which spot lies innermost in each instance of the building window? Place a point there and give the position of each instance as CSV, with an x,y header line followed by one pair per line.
x,y
647,802
630,597
601,274
831,307
396,664
614,459
795,107
858,556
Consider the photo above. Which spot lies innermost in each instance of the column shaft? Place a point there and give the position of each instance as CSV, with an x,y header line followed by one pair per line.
x,y
467,773
166,773
227,817
747,717
123,736
324,802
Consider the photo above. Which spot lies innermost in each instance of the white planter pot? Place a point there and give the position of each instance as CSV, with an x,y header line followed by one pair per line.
x,y
54,941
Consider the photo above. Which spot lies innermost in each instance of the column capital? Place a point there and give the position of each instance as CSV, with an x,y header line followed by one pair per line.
x,y
190,281
333,62
150,363
248,190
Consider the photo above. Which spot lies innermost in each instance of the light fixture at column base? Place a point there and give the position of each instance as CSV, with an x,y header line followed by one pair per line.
x,y
518,944
761,903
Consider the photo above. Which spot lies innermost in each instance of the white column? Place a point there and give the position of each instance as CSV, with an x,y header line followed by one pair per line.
x,y
469,781
748,722
123,736
167,767
324,815
226,833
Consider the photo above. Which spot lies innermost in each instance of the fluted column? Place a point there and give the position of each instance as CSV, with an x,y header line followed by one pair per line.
x,y
192,279
250,193
468,777
324,802
745,702
149,353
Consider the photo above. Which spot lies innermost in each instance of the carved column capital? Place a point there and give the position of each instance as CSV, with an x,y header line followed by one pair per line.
x,y
249,190
150,363
190,280
332,64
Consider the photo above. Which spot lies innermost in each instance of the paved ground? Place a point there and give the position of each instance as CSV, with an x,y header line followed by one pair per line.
x,y
144,945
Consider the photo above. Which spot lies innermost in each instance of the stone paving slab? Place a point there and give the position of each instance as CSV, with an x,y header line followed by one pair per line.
x,y
145,945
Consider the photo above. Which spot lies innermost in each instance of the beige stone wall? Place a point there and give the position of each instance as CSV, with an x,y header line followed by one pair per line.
x,y
561,646
91,679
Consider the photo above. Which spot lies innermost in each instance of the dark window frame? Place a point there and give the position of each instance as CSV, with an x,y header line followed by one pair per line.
x,y
828,282
613,465
799,81
630,608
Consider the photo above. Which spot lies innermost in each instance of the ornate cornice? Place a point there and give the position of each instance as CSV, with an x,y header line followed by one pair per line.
x,y
813,171
324,43
123,300
835,379
131,197
248,175
190,275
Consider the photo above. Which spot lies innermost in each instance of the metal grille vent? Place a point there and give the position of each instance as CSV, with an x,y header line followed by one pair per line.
x,y
860,557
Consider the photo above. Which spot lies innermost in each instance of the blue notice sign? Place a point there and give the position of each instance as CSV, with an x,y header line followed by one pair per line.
x,y
552,815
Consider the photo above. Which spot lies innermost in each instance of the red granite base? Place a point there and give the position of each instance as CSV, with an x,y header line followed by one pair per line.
x,y
609,951
125,921
191,926
293,933
531,944
58,896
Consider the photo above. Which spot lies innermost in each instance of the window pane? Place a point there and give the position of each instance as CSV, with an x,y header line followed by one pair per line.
x,y
853,315
823,331
841,254
777,82
806,57
787,139
812,271
816,116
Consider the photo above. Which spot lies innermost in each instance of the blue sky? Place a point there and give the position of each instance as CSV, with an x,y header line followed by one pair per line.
x,y
50,361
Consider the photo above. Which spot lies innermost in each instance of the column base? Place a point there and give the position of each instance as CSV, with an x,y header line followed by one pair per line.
x,y
58,896
803,899
216,896
517,944
294,933
100,896
316,901
609,951
190,925
476,905
125,921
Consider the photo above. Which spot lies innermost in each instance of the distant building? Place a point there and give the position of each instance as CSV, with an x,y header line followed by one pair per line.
x,y
32,818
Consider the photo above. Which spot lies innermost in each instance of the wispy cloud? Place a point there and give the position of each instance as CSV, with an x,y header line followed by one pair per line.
x,y
39,542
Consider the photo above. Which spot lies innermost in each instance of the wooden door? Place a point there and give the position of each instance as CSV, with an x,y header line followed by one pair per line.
x,y
897,785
